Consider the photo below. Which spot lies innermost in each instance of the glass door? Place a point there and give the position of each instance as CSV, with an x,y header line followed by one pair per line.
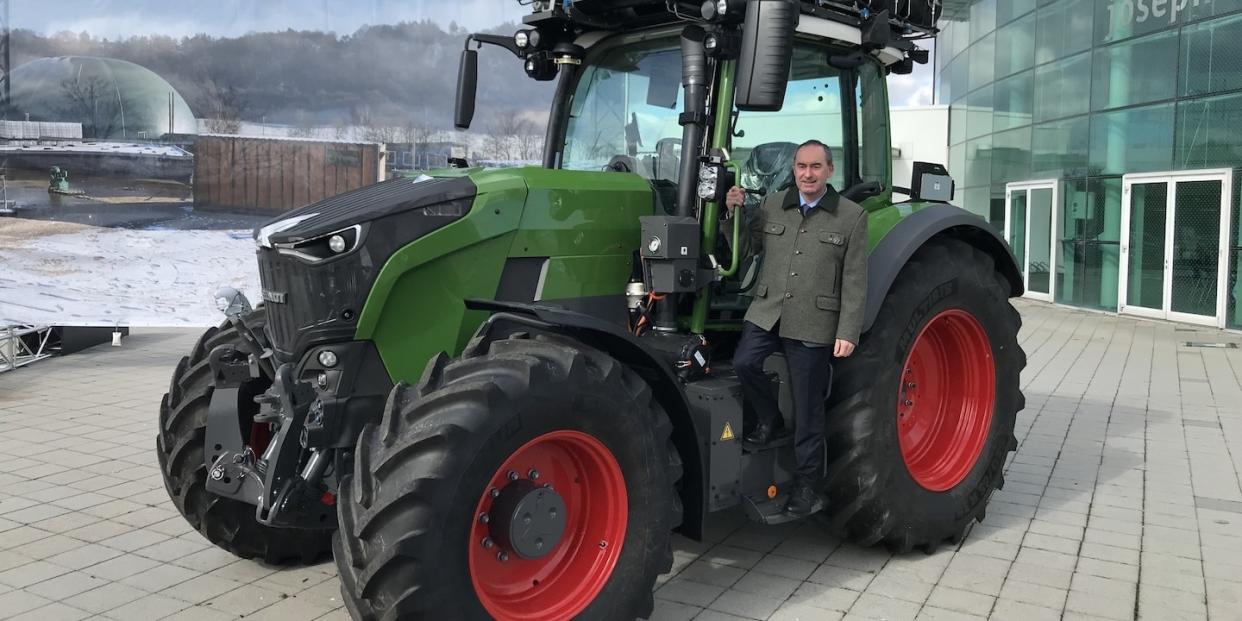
x,y
1174,245
1030,229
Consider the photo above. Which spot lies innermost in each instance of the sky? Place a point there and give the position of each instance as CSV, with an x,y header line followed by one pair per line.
x,y
178,18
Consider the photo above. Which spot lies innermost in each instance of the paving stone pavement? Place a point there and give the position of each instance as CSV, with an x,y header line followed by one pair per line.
x,y
1121,502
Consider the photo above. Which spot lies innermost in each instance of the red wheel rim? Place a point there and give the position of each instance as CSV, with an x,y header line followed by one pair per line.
x,y
945,401
563,582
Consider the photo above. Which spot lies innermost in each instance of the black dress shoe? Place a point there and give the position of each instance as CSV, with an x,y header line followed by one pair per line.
x,y
765,433
804,501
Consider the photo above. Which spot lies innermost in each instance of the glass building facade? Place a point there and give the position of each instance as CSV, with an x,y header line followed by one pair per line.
x,y
1105,138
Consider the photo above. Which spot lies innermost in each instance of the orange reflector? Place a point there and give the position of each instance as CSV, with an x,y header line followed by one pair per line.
x,y
771,492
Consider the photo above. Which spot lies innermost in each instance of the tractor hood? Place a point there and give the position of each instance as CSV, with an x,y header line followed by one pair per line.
x,y
396,197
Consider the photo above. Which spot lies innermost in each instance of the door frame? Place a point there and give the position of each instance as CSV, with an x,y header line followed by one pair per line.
x,y
1171,179
1027,186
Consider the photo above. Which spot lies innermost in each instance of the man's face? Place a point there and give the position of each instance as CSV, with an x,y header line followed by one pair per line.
x,y
811,170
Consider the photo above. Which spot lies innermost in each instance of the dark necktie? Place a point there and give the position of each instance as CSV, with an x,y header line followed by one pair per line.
x,y
805,209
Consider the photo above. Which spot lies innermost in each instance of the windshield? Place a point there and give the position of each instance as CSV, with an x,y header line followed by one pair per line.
x,y
625,110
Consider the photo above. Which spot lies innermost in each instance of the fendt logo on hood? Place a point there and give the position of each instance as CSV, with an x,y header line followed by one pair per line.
x,y
1124,13
275,297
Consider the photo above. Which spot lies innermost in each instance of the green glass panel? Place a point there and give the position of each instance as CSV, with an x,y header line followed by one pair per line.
x,y
982,61
1090,246
979,114
1017,225
1145,274
945,51
1209,132
1120,19
1039,246
957,122
1134,140
1062,29
1059,148
1061,88
1134,72
961,38
959,76
1011,155
957,162
978,166
1211,59
977,201
1016,50
944,87
982,18
1007,10
1196,247
1013,102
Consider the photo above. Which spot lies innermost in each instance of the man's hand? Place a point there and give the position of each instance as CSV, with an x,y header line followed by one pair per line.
x,y
843,349
735,198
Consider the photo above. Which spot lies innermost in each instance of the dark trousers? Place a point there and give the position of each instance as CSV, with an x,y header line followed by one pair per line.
x,y
810,378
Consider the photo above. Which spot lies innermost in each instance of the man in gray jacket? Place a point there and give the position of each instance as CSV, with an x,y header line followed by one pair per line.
x,y
809,302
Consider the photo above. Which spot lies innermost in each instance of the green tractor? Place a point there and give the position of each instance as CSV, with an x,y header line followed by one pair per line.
x,y
498,393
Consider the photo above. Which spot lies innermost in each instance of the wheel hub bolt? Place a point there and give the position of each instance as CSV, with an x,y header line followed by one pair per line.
x,y
502,556
909,402
513,476
484,518
494,493
533,474
487,543
910,385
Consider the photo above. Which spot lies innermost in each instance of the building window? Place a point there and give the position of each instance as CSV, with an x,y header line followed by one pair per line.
x,y
1132,140
1062,88
1013,102
1016,51
1063,29
1210,60
1209,132
1134,72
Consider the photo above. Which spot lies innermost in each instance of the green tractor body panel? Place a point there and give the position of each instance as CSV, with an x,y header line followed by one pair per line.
x,y
585,224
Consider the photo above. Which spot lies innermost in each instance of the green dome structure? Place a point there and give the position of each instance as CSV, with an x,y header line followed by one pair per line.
x,y
112,99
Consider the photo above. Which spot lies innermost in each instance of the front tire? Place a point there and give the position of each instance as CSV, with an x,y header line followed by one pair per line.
x,y
227,523
423,531
921,420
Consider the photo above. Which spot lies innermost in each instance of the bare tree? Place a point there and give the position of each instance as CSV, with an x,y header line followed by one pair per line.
x,y
371,128
225,104
512,137
95,104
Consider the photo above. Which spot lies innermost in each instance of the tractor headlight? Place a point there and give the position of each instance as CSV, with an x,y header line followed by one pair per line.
x,y
325,246
708,174
336,243
522,39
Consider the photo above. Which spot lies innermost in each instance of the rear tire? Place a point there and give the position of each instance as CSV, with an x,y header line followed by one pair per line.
x,y
905,485
227,523
411,539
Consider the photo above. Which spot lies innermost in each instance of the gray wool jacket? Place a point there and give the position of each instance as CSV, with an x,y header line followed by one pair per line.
x,y
813,274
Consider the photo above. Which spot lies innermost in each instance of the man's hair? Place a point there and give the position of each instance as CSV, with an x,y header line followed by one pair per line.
x,y
813,142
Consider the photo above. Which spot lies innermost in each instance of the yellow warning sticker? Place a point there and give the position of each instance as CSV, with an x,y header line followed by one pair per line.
x,y
727,433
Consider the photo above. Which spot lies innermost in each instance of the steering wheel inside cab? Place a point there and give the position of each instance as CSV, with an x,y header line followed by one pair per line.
x,y
621,163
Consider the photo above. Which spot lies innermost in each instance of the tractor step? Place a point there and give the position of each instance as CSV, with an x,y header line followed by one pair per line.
x,y
768,511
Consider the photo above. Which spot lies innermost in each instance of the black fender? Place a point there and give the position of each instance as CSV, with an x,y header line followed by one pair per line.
x,y
510,317
896,248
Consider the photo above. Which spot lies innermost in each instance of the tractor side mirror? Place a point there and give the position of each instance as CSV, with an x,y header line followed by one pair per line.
x,y
467,85
767,48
